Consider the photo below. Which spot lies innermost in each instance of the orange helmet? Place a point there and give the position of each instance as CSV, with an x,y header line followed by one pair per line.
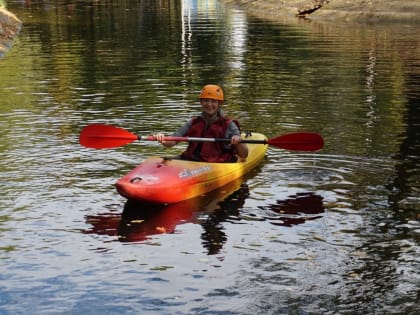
x,y
212,91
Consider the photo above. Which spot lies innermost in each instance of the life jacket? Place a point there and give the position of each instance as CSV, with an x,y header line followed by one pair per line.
x,y
209,151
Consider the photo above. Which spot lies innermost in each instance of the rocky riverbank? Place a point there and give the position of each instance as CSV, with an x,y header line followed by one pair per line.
x,y
359,11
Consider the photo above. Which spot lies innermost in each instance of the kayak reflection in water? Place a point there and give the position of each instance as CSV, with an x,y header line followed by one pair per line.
x,y
139,222
212,123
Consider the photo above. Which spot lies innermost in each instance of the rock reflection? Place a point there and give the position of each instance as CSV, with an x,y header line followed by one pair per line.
x,y
296,209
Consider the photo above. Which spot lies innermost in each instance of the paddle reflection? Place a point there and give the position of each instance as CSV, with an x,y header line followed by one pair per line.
x,y
296,209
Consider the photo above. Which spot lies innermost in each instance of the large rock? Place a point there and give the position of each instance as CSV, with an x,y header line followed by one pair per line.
x,y
10,27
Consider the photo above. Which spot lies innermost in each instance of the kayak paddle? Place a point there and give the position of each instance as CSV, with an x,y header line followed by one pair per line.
x,y
100,136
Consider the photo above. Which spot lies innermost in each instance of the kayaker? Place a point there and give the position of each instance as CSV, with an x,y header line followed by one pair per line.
x,y
212,123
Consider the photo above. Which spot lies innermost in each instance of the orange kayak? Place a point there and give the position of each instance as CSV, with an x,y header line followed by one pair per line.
x,y
165,180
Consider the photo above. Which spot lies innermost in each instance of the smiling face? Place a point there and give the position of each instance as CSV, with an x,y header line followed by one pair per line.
x,y
210,106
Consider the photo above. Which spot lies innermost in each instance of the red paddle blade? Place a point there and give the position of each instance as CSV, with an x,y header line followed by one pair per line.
x,y
99,136
299,141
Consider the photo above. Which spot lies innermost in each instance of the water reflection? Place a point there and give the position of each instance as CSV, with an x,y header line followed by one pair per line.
x,y
296,209
214,236
405,184
140,222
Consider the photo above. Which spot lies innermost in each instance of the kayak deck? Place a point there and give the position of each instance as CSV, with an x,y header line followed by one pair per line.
x,y
165,181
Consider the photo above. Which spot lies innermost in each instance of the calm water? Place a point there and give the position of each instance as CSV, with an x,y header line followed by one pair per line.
x,y
331,232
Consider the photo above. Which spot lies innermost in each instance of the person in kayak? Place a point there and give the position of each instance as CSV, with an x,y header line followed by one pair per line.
x,y
212,123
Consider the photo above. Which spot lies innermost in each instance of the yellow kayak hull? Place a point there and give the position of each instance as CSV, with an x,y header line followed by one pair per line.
x,y
166,180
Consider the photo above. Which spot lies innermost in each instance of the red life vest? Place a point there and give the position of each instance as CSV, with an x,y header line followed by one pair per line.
x,y
209,151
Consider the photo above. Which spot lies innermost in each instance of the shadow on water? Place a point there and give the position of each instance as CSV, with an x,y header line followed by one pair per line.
x,y
141,222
